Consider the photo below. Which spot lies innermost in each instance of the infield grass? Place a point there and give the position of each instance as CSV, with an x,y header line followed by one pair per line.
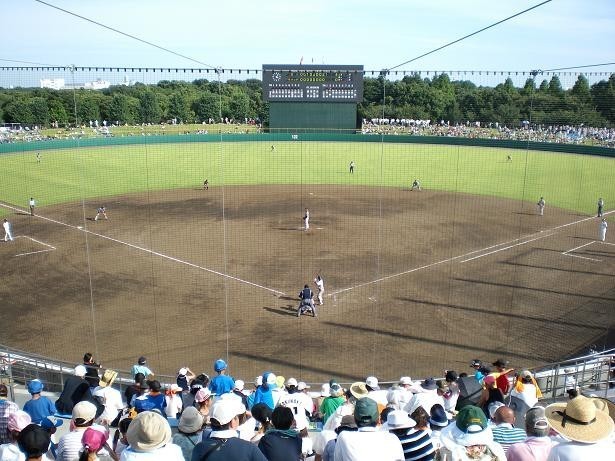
x,y
565,180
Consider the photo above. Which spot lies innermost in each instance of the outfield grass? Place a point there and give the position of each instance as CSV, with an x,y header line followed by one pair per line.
x,y
565,180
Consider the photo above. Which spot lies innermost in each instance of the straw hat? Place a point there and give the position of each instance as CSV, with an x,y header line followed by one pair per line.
x,y
148,432
579,420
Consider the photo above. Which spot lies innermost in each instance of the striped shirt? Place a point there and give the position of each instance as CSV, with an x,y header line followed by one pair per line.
x,y
505,434
417,445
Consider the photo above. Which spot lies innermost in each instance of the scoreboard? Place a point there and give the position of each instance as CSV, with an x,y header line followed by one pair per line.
x,y
312,83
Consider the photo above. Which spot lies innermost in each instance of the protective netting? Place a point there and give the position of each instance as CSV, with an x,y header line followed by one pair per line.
x,y
169,220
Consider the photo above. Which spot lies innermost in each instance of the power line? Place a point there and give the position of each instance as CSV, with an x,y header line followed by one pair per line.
x,y
32,63
577,67
469,35
125,34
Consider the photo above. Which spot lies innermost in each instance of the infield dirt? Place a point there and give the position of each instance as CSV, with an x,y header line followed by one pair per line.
x,y
415,281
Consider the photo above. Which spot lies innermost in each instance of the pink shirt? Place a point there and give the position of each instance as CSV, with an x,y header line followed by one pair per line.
x,y
533,449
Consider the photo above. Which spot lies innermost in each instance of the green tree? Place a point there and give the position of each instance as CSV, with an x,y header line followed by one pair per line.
x,y
57,112
581,90
179,108
123,109
206,107
40,111
19,111
149,110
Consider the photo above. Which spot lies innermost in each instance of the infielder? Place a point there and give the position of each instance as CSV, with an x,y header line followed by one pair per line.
x,y
32,204
306,220
321,288
600,207
8,236
101,212
206,184
541,206
416,185
601,229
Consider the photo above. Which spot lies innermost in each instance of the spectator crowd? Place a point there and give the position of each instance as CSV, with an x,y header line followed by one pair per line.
x,y
492,413
562,134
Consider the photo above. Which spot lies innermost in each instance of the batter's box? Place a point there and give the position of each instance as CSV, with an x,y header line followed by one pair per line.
x,y
594,250
31,246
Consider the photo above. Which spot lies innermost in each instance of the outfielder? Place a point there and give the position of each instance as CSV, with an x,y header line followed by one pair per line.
x,y
32,204
321,288
8,235
602,229
541,206
351,167
306,220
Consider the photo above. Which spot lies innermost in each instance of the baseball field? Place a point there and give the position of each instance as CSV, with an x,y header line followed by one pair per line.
x,y
415,281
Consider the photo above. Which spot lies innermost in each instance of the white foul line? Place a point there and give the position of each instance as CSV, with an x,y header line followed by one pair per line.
x,y
506,248
49,247
147,250
427,266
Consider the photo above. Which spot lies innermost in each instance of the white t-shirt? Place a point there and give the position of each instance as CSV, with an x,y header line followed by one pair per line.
x,y
112,400
169,452
11,452
368,444
573,451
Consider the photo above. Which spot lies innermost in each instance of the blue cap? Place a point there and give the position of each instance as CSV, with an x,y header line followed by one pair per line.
x,y
35,386
51,421
220,365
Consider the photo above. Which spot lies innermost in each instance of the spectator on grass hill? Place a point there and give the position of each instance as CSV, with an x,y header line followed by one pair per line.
x,y
538,444
38,407
141,367
222,383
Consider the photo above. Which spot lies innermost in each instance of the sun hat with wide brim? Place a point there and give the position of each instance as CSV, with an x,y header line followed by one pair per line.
x,y
148,432
579,420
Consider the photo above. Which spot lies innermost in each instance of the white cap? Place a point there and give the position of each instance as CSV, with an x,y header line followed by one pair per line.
x,y
291,382
224,410
182,371
405,380
324,390
301,386
271,378
239,385
80,371
398,419
372,382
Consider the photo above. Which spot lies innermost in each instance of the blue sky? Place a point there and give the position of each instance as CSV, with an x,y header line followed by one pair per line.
x,y
246,34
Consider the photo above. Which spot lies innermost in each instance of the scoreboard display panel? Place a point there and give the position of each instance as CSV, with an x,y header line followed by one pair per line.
x,y
312,83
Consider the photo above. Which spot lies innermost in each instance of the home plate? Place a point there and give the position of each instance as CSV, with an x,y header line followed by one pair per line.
x,y
80,227
320,228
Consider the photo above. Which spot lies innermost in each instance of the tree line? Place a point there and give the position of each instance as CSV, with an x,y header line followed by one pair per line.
x,y
413,97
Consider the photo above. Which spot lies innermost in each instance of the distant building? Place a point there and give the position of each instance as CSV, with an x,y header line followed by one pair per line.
x,y
60,84
53,83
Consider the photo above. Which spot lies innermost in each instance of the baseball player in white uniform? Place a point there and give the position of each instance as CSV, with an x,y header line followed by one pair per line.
x,y
602,229
306,220
32,204
541,206
321,288
7,230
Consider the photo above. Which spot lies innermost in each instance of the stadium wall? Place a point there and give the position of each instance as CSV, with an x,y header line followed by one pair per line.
x,y
321,137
